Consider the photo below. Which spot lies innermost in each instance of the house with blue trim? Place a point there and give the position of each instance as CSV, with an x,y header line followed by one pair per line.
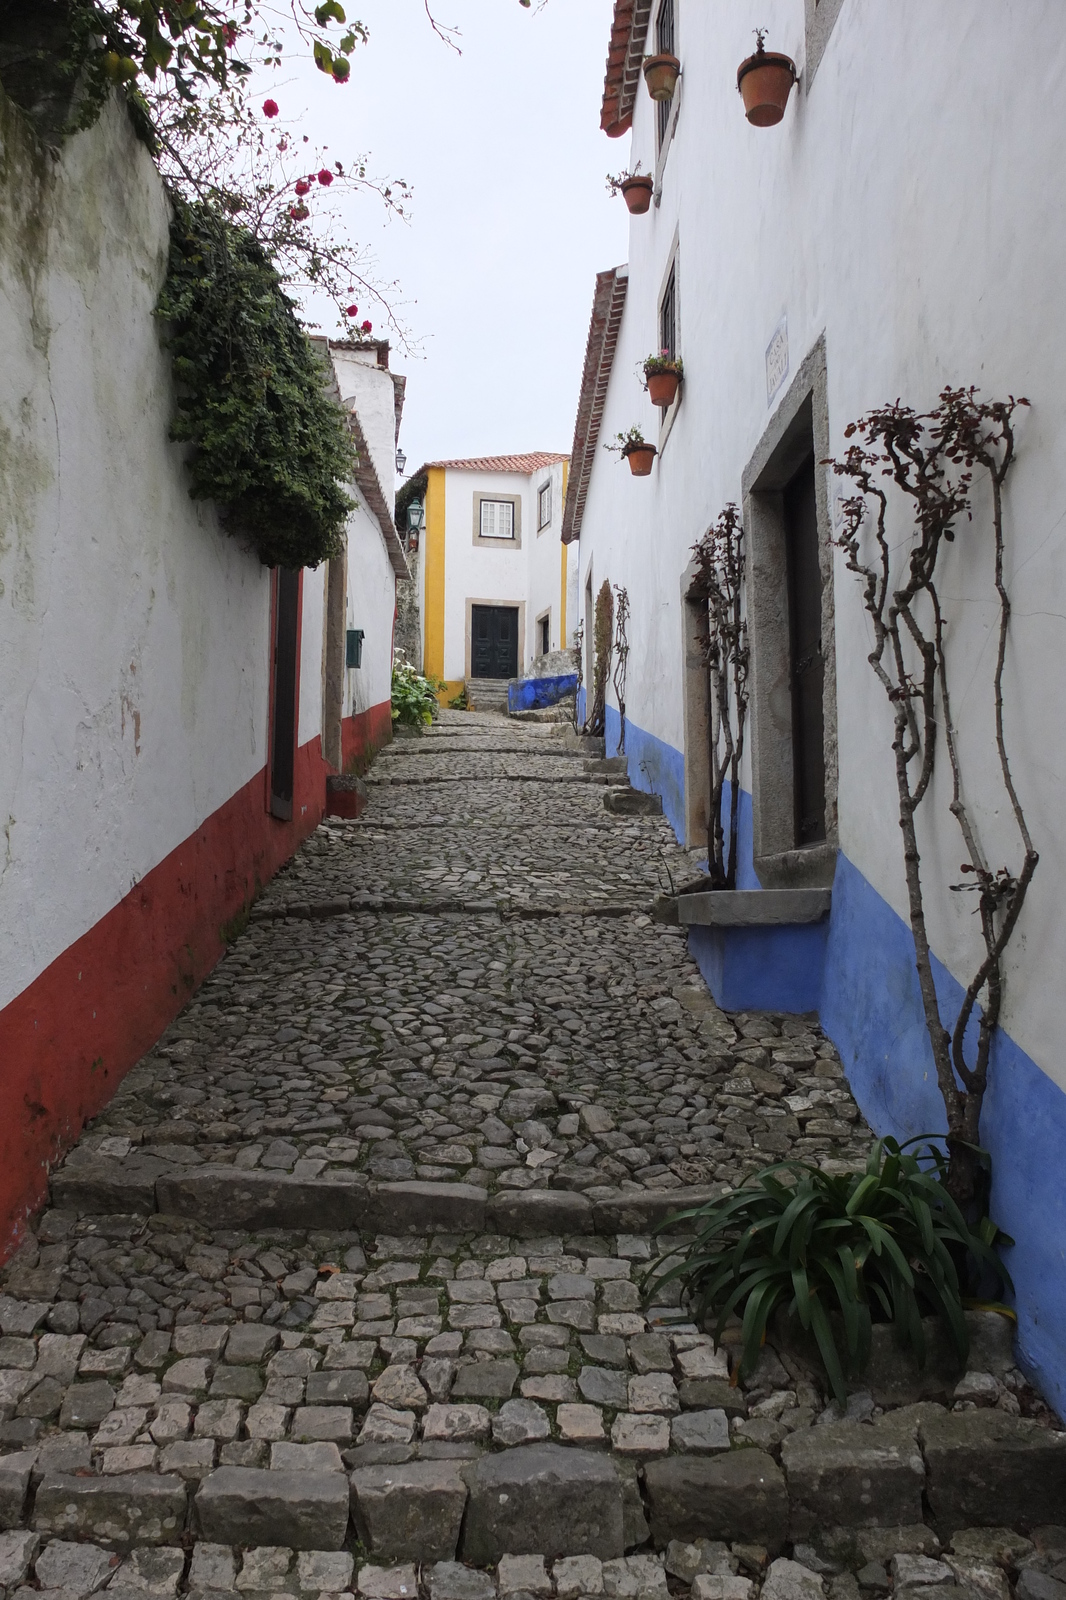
x,y
880,235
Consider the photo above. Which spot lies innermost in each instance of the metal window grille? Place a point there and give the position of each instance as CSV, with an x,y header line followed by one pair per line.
x,y
668,316
664,43
497,519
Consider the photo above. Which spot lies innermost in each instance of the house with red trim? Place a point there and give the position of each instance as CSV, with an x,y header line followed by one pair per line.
x,y
170,709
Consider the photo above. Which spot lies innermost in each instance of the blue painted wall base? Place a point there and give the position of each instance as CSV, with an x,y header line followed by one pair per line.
x,y
534,694
867,997
762,969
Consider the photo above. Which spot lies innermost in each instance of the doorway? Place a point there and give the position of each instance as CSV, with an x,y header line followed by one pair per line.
x,y
494,641
283,716
806,672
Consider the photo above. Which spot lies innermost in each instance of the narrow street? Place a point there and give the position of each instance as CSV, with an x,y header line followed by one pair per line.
x,y
374,1211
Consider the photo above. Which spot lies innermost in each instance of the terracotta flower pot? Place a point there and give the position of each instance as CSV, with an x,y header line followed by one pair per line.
x,y
661,74
637,193
641,458
662,386
765,82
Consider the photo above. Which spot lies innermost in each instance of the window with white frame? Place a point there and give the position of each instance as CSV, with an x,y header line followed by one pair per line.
x,y
544,506
497,519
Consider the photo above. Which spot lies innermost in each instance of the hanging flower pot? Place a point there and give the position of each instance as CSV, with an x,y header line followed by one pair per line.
x,y
765,82
641,458
661,74
662,375
637,192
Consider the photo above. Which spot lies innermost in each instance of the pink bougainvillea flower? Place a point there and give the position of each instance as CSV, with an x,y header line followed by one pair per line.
x,y
325,177
270,108
352,311
229,34
303,186
365,327
299,212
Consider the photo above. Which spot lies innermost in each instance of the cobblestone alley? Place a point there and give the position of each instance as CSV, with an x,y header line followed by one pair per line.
x,y
342,1290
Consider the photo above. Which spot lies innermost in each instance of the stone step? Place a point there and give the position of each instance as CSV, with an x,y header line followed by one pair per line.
x,y
143,1185
837,1486
487,694
632,803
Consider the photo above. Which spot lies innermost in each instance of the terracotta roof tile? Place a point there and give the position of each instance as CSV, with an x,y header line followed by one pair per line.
x,y
531,462
629,33
608,304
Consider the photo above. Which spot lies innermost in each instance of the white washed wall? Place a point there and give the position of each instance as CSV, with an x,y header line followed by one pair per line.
x,y
474,572
902,208
133,633
544,562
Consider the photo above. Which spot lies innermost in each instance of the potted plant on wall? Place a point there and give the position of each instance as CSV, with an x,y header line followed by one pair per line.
x,y
661,73
765,82
636,189
662,377
635,449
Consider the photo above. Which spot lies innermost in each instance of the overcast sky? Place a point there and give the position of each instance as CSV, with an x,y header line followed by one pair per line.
x,y
510,218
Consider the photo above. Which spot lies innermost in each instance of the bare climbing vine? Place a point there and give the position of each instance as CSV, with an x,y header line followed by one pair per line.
x,y
579,652
621,658
724,641
602,640
933,458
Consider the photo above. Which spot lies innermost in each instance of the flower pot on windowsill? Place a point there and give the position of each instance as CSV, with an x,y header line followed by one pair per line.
x,y
661,74
765,82
663,385
637,192
641,458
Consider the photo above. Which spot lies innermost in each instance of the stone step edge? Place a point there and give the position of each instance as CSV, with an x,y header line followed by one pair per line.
x,y
264,1199
344,905
551,1497
594,778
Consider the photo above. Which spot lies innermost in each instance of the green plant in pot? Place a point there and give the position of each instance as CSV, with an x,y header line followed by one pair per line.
x,y
634,448
834,1253
662,375
636,189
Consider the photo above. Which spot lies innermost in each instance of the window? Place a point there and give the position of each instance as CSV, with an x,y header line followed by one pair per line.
x,y
668,315
497,519
544,506
544,634
664,45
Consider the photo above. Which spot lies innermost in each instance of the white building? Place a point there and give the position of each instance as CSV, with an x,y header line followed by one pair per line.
x,y
890,236
170,709
492,567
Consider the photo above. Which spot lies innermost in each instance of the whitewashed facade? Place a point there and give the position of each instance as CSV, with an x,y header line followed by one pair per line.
x,y
890,236
138,737
492,568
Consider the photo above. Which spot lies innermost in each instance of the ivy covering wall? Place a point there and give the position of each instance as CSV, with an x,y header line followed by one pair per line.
x,y
270,446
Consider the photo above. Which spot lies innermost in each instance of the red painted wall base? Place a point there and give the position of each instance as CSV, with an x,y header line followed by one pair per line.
x,y
363,735
69,1038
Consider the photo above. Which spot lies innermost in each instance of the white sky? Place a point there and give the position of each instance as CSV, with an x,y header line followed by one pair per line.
x,y
510,219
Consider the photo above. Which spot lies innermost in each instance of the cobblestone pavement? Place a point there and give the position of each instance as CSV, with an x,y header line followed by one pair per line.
x,y
202,1403
542,1031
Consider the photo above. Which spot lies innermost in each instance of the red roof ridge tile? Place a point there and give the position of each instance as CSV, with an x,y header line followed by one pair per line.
x,y
608,303
629,33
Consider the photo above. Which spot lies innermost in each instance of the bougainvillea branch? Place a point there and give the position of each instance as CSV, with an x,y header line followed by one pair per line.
x,y
621,659
723,638
932,459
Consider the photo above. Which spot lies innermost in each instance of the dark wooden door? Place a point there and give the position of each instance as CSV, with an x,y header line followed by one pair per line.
x,y
494,641
283,728
805,640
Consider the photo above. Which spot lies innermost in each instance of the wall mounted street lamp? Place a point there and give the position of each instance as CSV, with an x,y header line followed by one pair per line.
x,y
401,462
416,521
